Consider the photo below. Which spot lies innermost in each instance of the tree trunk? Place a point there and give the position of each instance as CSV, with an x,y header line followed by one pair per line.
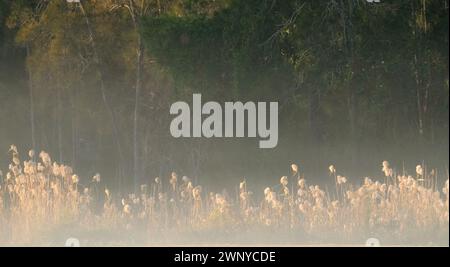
x,y
140,63
419,60
103,93
32,115
59,118
74,117
347,10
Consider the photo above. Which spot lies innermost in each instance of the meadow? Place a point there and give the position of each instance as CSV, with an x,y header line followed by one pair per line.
x,y
43,203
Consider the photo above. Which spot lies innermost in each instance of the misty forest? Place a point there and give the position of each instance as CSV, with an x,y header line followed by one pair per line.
x,y
363,94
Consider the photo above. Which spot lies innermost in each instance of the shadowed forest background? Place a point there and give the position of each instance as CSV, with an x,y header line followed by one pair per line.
x,y
357,83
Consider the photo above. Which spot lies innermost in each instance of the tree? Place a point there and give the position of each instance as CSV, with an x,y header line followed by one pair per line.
x,y
137,11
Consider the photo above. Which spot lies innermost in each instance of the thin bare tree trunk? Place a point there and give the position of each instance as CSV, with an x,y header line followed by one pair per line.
x,y
422,83
346,10
103,93
32,115
136,15
74,117
59,122
140,63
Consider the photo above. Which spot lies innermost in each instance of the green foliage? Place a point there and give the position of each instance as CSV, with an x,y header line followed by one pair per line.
x,y
189,46
219,53
346,73
330,59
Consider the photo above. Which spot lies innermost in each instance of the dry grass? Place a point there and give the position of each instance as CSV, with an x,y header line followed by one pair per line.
x,y
43,202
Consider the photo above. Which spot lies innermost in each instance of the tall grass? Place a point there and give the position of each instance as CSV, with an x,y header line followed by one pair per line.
x,y
43,202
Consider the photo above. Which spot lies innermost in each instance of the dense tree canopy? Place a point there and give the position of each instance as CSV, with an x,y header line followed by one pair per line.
x,y
97,78
362,58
